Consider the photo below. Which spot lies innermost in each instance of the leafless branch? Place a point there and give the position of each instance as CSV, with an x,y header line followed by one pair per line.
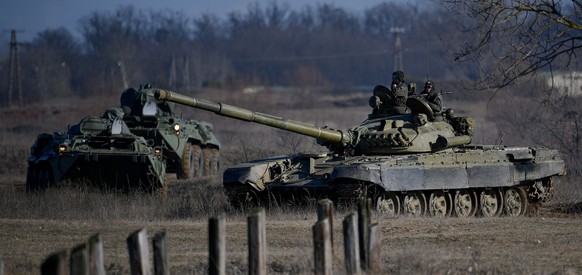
x,y
511,39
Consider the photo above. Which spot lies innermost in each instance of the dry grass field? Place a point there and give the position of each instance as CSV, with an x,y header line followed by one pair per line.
x,y
34,226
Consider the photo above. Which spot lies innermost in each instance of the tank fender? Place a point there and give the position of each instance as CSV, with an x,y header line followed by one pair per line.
x,y
259,174
520,154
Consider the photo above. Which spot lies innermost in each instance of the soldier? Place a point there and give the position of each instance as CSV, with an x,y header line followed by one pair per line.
x,y
432,97
390,101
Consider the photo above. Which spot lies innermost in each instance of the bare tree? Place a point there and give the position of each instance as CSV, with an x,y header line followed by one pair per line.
x,y
511,39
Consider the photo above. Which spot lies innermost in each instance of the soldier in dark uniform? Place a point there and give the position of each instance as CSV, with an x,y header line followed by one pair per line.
x,y
390,101
433,98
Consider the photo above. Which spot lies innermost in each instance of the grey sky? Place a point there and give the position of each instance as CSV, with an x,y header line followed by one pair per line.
x,y
33,16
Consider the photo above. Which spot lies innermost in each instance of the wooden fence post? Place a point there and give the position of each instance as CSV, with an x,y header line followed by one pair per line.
x,y
257,239
79,262
160,244
325,210
137,245
363,224
351,244
55,264
322,252
374,248
96,263
216,246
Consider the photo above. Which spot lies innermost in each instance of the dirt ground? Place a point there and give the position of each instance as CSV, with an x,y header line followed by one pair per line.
x,y
546,244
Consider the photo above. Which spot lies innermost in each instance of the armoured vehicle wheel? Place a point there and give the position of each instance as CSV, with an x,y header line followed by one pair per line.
x,y
414,204
32,178
465,203
211,161
440,204
44,177
39,177
515,201
491,202
389,204
191,162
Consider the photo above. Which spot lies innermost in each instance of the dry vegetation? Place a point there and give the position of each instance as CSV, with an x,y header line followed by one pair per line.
x,y
34,226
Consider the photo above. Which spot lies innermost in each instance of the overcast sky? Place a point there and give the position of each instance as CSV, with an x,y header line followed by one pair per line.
x,y
33,16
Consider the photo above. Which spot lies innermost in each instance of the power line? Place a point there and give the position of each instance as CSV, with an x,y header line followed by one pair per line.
x,y
313,57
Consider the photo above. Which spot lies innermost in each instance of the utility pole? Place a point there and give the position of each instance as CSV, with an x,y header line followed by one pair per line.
x,y
186,73
172,78
14,72
396,31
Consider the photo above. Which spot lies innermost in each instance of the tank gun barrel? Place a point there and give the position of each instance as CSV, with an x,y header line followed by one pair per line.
x,y
331,136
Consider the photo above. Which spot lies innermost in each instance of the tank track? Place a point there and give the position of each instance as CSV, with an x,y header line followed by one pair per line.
x,y
521,200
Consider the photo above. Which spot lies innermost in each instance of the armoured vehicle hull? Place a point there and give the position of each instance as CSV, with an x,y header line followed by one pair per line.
x,y
99,151
190,148
409,164
463,181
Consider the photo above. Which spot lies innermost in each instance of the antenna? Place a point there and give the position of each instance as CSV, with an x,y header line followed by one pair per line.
x,y
427,50
396,31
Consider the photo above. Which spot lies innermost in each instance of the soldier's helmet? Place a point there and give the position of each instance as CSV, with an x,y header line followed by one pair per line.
x,y
398,75
429,84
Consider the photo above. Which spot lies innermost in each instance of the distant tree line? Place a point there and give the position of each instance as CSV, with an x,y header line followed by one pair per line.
x,y
271,45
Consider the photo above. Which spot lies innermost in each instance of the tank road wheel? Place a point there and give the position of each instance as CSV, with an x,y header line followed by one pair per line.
x,y
191,162
491,202
389,204
250,200
440,204
414,204
515,201
465,203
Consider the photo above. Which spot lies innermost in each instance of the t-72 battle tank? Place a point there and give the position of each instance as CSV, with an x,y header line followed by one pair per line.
x,y
99,151
407,163
189,146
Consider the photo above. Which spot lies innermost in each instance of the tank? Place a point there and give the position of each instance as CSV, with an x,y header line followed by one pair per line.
x,y
189,147
100,152
415,163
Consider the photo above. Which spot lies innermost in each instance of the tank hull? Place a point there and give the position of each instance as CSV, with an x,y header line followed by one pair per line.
x,y
473,170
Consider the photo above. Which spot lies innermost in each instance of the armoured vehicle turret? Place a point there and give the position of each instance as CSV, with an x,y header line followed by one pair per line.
x,y
409,163
99,151
189,147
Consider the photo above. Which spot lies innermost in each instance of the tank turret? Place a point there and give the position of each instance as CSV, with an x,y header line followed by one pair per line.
x,y
415,132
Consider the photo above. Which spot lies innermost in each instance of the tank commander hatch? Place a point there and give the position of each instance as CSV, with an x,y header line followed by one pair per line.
x,y
390,101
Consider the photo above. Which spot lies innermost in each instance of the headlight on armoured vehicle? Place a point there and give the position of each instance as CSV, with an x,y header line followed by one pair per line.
x,y
158,151
177,128
62,148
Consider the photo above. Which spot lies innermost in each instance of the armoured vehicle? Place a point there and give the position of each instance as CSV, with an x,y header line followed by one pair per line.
x,y
100,151
410,163
189,147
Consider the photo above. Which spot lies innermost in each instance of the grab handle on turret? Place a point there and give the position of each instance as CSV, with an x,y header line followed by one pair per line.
x,y
331,136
